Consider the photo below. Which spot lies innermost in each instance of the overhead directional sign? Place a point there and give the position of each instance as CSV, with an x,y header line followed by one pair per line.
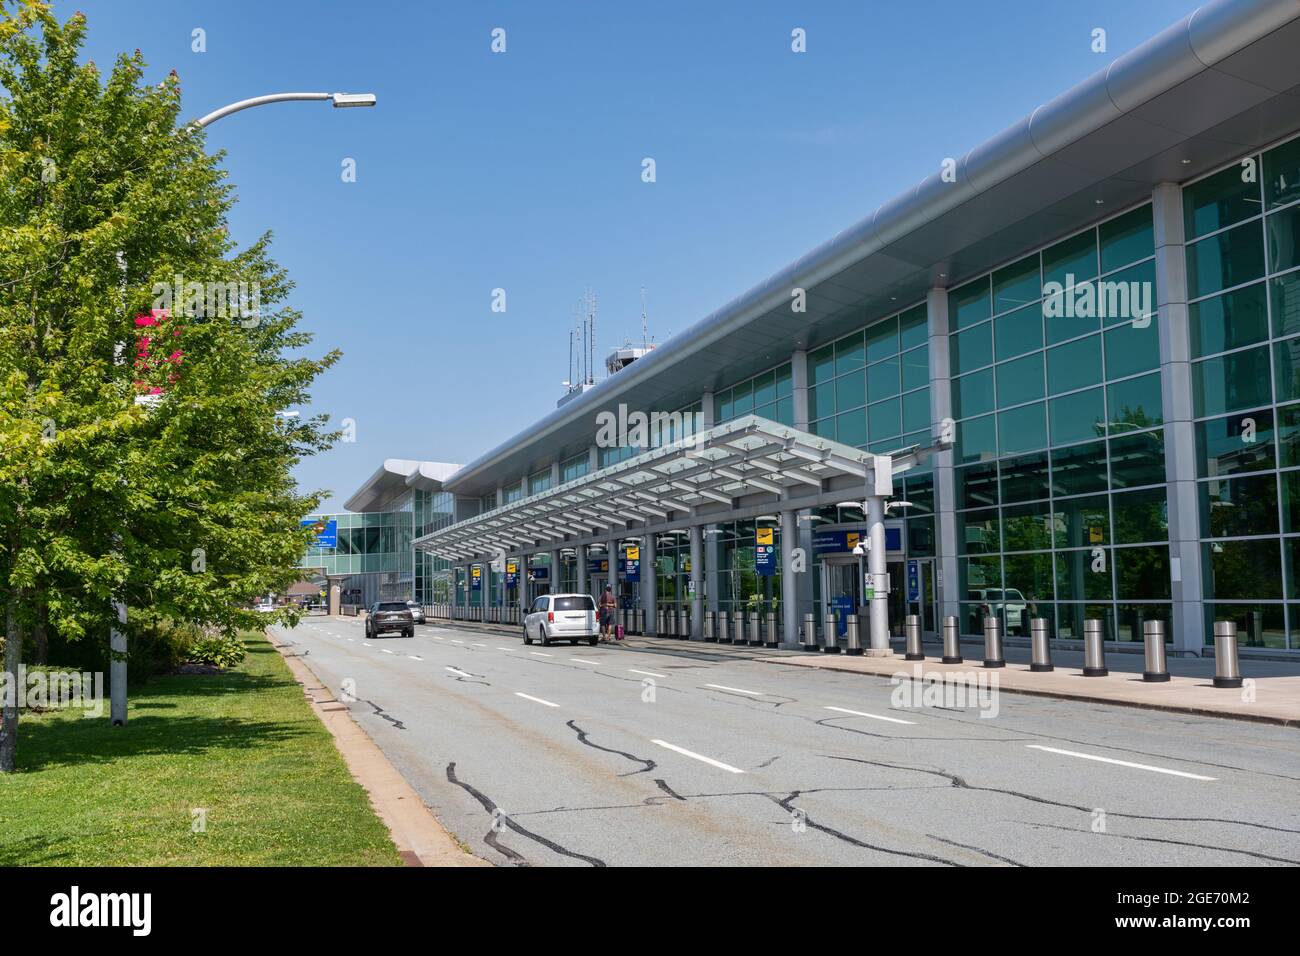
x,y
765,553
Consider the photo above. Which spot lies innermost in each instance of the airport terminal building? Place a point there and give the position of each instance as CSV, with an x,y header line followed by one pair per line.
x,y
1063,370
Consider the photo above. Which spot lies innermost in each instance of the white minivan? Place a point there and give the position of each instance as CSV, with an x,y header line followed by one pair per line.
x,y
562,617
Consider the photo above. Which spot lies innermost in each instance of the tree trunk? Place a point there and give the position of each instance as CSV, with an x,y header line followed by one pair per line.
x,y
9,717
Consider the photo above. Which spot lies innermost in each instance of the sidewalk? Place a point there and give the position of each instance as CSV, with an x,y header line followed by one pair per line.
x,y
1275,685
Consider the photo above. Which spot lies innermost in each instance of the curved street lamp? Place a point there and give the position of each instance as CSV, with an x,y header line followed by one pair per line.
x,y
340,101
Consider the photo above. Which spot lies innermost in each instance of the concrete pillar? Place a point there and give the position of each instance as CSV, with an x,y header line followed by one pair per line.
x,y
613,552
799,401
554,571
649,582
524,600
948,583
1188,625
455,590
593,459
878,568
555,474
697,579
789,580
712,566
580,558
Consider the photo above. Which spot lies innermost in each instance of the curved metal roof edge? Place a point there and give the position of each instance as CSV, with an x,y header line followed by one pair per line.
x,y
1195,43
395,474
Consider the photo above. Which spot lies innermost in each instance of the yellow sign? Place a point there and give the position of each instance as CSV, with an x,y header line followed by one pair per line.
x,y
1094,535
511,568
477,572
633,553
764,535
851,539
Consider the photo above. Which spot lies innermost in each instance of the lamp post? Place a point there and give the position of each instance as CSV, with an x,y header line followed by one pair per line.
x,y
340,101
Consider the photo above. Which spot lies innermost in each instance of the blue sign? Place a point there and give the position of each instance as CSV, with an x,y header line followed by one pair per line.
x,y
327,532
476,578
914,580
844,541
539,574
843,608
597,565
765,553
512,574
632,570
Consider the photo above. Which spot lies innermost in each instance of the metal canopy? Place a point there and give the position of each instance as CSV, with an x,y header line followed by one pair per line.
x,y
741,458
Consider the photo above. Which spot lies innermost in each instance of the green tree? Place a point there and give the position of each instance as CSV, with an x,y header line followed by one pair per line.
x,y
178,504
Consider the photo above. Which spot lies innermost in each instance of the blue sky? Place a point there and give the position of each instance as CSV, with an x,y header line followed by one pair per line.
x,y
522,170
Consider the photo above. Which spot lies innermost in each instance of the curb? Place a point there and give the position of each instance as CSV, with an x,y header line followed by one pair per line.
x,y
420,838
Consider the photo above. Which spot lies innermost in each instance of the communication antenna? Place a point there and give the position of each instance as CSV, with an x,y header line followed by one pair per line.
x,y
645,322
591,338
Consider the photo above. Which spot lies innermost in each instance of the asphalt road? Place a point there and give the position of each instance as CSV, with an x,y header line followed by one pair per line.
x,y
700,755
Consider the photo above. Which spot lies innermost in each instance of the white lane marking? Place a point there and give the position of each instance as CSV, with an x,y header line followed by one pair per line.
x,y
386,650
436,637
583,660
505,648
367,643
349,638
633,670
458,671
859,713
536,700
477,644
454,641
689,753
1121,763
735,690
540,654
415,657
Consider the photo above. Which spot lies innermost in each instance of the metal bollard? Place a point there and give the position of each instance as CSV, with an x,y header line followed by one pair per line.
x,y
755,630
851,632
1153,638
1227,672
684,622
951,642
993,642
1040,646
912,626
771,640
810,632
1094,649
708,628
724,628
738,627
640,620
831,646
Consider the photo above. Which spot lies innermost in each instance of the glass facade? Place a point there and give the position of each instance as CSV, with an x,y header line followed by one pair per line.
x,y
1061,508
1243,261
767,395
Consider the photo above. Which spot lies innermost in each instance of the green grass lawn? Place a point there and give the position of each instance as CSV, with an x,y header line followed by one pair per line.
x,y
243,745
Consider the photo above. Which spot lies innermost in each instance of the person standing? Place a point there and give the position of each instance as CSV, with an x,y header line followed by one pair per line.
x,y
607,605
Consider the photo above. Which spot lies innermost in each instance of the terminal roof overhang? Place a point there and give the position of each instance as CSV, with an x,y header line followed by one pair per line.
x,y
1220,82
394,477
712,469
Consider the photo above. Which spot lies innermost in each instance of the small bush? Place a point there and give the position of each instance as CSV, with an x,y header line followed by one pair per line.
x,y
216,650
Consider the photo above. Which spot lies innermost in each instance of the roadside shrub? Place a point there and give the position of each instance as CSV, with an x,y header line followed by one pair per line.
x,y
218,650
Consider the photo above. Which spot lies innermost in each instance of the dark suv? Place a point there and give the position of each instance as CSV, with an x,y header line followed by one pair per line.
x,y
390,616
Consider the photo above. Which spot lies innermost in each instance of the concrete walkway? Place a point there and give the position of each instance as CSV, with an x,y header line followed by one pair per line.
x,y
1271,693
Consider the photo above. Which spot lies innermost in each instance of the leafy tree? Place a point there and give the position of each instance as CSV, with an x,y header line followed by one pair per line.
x,y
152,474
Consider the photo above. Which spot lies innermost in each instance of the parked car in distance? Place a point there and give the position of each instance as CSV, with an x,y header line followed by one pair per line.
x,y
562,617
389,616
1010,603
266,607
417,612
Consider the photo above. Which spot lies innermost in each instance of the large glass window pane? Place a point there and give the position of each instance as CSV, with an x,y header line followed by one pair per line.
x,y
1083,576
1019,332
1142,573
1135,403
1079,470
1022,429
764,389
1126,239
850,353
1225,260
1219,200
1067,315
970,303
1081,522
1128,295
977,439
821,399
916,368
1141,516
1031,575
821,365
971,349
1071,261
884,420
882,340
1229,321
1231,382
850,390
882,380
976,485
1234,444
1282,174
851,428
1132,348
783,380
1020,380
1025,478
1288,435
723,404
1283,229
1017,284
977,532
742,398
1286,368
1285,293
1077,417
1290,482
1239,506
916,410
972,394
1137,460
1027,527
1074,366
1242,570
913,328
